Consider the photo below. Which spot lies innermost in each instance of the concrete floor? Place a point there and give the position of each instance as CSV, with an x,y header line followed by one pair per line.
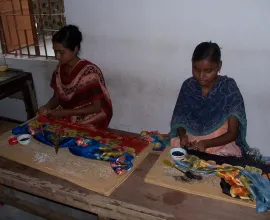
x,y
11,213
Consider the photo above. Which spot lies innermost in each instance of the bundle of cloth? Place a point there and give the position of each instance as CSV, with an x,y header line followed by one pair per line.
x,y
243,182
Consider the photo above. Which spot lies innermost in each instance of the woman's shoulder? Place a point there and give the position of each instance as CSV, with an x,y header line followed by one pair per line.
x,y
229,84
92,70
227,80
89,63
189,81
222,79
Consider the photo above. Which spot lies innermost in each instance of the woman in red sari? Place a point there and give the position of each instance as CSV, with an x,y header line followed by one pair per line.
x,y
80,94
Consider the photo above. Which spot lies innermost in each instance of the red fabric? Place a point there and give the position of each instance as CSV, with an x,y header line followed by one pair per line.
x,y
137,143
82,86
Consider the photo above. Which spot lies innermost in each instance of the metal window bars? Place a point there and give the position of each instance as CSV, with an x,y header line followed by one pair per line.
x,y
26,26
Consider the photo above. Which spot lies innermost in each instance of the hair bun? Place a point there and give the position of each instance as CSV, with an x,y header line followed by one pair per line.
x,y
70,36
74,31
71,27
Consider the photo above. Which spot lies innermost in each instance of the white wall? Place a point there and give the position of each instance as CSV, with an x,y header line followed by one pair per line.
x,y
144,49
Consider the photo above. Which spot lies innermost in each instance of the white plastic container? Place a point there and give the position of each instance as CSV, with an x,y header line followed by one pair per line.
x,y
178,154
24,139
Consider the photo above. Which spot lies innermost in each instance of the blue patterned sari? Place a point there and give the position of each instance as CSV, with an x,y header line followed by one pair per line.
x,y
201,115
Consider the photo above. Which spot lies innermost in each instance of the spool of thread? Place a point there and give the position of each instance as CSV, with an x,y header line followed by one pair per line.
x,y
178,154
24,139
12,141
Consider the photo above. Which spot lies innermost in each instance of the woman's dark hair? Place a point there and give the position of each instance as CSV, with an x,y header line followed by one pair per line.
x,y
70,36
207,50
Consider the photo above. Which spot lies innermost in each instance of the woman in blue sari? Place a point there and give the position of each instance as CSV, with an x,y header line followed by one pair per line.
x,y
209,114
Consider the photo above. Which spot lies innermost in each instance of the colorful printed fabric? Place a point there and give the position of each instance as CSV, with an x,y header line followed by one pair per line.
x,y
90,143
84,85
159,141
232,177
201,115
246,183
259,187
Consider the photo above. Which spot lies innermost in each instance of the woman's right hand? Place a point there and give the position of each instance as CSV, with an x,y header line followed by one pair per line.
x,y
184,141
43,110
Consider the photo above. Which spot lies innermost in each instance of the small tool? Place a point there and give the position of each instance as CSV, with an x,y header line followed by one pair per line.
x,y
58,138
188,174
56,147
41,129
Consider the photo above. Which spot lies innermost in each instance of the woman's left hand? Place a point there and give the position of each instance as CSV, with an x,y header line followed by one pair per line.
x,y
57,113
200,146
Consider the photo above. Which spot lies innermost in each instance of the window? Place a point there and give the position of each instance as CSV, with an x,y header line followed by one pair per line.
x,y
27,26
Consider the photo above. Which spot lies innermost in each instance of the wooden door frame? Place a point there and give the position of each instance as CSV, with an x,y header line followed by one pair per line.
x,y
2,36
33,27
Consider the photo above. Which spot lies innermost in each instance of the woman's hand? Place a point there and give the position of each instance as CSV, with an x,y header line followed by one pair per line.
x,y
52,104
58,113
198,145
184,141
43,110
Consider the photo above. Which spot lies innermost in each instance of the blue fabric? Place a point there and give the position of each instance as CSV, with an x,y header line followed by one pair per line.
x,y
24,129
159,144
201,115
259,187
47,138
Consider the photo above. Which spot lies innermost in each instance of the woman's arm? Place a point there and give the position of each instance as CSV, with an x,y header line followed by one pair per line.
x,y
53,103
92,108
183,137
181,132
228,137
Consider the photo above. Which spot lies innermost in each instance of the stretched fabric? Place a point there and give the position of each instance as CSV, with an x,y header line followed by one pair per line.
x,y
90,143
246,183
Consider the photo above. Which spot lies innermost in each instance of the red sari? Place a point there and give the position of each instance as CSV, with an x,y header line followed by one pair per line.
x,y
84,85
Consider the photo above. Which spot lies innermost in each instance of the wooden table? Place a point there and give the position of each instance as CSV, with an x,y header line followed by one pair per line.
x,y
134,199
13,81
